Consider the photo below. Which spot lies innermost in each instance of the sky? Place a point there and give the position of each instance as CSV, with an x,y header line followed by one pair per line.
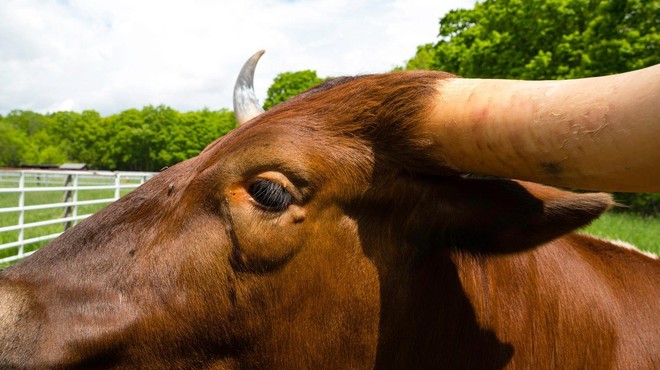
x,y
113,55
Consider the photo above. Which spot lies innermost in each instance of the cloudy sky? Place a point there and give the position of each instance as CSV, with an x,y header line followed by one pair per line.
x,y
111,55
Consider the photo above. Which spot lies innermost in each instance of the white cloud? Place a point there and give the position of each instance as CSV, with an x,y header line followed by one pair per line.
x,y
111,55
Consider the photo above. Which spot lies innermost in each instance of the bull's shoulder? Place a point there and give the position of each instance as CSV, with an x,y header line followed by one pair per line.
x,y
576,296
625,282
614,254
627,273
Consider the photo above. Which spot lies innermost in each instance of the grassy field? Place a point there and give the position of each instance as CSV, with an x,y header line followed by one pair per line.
x,y
640,231
34,198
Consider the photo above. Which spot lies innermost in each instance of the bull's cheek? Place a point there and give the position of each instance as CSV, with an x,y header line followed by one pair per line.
x,y
265,241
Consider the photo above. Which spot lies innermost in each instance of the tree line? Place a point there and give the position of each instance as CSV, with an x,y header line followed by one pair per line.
x,y
133,140
545,39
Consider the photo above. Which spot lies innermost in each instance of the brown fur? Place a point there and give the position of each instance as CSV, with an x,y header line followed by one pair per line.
x,y
386,259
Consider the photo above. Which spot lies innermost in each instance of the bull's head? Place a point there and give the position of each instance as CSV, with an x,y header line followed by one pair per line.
x,y
325,228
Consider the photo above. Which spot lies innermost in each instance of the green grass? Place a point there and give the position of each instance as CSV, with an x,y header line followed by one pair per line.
x,y
34,198
642,232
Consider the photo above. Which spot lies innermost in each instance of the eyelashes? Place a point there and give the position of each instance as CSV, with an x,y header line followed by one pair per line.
x,y
270,195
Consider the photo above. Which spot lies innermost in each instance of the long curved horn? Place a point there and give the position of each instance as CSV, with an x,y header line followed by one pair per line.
x,y
246,104
599,133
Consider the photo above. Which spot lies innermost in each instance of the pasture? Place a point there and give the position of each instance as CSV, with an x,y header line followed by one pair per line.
x,y
79,195
643,232
10,218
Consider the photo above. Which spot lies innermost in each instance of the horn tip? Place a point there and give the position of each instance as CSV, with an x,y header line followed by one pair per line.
x,y
246,104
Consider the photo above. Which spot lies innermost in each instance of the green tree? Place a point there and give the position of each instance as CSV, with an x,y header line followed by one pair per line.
x,y
289,84
204,127
26,121
164,132
13,145
546,39
25,140
81,135
423,59
127,142
51,154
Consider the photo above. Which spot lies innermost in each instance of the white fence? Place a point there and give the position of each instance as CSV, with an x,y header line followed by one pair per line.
x,y
38,205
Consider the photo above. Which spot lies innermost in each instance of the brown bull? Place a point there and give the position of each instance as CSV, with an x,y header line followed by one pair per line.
x,y
339,230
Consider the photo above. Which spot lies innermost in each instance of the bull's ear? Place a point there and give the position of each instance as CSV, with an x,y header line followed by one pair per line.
x,y
502,216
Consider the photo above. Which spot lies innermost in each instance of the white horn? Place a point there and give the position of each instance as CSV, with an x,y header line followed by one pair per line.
x,y
246,104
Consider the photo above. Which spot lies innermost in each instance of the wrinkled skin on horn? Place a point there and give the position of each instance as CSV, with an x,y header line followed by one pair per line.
x,y
330,232
599,133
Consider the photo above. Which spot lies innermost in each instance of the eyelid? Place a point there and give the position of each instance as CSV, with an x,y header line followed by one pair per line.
x,y
283,181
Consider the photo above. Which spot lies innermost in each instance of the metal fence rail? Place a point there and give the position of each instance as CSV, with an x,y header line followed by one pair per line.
x,y
29,200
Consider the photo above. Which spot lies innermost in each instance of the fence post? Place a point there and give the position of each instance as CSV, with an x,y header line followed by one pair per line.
x,y
21,213
117,183
76,177
68,194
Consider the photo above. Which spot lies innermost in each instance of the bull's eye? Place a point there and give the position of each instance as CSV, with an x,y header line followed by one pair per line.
x,y
270,195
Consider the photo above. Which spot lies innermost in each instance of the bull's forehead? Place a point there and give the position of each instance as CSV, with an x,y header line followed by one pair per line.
x,y
307,150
